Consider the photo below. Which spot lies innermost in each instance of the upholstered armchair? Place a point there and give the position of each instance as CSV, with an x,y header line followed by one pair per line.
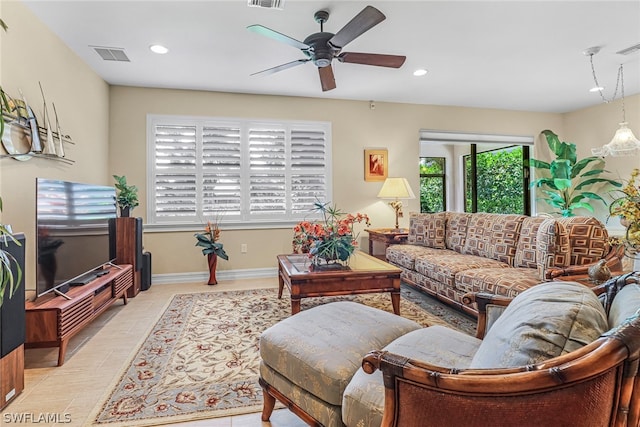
x,y
594,385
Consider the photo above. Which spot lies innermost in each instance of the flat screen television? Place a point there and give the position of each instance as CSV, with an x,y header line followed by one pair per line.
x,y
72,235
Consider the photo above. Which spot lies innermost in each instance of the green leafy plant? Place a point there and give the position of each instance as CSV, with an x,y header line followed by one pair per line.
x,y
209,240
566,188
7,279
127,197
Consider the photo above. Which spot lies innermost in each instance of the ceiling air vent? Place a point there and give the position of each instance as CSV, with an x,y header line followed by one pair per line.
x,y
111,53
267,4
629,50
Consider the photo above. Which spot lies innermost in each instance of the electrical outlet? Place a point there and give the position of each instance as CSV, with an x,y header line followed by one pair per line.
x,y
243,248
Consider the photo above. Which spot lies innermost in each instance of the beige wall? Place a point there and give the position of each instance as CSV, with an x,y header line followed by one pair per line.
x,y
108,125
31,54
354,127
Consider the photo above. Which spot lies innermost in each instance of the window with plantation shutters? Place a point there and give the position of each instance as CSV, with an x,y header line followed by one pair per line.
x,y
240,171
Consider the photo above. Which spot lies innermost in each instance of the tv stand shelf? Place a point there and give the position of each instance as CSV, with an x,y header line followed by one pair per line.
x,y
52,320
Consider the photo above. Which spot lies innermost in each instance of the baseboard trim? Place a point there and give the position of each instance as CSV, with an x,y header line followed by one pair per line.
x,y
251,273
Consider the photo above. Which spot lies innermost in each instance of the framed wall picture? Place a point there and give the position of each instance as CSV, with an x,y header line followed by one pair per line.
x,y
376,163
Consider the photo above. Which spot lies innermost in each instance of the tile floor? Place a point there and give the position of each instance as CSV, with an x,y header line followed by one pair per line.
x,y
97,354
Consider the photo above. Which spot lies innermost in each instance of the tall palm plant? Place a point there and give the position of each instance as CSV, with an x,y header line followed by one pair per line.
x,y
566,187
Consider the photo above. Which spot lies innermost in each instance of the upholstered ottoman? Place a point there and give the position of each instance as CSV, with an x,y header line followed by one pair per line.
x,y
309,358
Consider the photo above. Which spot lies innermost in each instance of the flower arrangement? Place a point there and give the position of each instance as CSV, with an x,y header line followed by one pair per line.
x,y
627,207
209,240
331,239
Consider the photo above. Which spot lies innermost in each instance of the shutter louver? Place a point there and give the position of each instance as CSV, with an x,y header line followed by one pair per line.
x,y
175,166
267,171
221,170
308,169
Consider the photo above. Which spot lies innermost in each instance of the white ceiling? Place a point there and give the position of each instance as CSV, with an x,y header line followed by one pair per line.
x,y
516,55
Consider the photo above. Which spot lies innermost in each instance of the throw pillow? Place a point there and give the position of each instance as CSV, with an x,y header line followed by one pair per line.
x,y
543,322
552,247
427,229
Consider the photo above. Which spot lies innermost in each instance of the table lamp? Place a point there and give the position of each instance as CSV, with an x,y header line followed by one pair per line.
x,y
396,188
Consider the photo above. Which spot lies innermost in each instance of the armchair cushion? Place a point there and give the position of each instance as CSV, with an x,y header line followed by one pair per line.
x,y
546,321
624,305
363,400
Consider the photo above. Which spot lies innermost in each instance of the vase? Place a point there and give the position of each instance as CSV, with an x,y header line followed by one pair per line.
x,y
213,263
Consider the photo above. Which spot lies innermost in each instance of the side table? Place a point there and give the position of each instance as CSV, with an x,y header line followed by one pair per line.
x,y
388,236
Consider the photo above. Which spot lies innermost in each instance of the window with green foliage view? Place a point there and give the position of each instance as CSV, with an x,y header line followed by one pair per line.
x,y
499,181
432,184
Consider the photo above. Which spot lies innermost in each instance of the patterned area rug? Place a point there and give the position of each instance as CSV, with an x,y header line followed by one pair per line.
x,y
201,358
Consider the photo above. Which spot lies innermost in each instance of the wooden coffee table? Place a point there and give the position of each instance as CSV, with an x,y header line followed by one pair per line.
x,y
365,274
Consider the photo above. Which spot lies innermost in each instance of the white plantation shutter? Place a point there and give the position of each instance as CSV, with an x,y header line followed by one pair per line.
x,y
221,166
308,166
175,171
238,171
267,171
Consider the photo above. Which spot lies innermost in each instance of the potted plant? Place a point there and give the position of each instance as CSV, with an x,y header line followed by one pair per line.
x,y
569,178
331,239
209,241
127,197
7,279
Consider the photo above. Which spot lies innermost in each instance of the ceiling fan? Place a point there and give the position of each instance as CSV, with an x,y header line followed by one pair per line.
x,y
321,48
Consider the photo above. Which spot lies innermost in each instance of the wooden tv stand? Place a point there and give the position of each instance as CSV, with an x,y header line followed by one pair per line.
x,y
52,319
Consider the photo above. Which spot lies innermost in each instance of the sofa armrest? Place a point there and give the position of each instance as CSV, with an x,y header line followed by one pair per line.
x,y
490,307
614,262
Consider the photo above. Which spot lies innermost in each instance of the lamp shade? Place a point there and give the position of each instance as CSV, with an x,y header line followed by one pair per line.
x,y
396,188
623,143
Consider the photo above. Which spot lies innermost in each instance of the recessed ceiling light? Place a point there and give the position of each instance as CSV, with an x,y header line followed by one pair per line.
x,y
596,89
159,49
420,72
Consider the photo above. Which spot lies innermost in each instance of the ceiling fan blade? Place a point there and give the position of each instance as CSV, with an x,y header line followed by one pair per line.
x,y
391,61
282,67
259,29
363,21
327,79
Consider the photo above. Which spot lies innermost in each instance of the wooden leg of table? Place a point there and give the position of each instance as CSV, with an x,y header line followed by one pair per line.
x,y
395,301
62,351
370,246
295,306
280,285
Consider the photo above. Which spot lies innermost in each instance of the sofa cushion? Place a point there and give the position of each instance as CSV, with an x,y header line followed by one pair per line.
x,y
444,265
625,304
493,236
588,239
427,229
552,247
406,255
546,321
321,348
526,248
508,282
478,239
456,230
363,401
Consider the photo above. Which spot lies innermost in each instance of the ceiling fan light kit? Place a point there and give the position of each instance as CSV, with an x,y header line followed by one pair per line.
x,y
322,47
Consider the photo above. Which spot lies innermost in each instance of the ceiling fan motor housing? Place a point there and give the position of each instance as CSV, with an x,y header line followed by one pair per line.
x,y
320,51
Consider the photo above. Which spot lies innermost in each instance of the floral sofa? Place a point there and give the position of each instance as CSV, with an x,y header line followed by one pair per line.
x,y
449,254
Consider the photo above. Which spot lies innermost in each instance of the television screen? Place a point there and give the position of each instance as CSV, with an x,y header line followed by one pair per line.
x,y
72,221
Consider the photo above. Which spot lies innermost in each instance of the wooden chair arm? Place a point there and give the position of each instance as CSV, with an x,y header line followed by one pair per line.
x,y
486,317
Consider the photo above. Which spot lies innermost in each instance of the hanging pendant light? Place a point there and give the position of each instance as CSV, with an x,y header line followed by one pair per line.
x,y
624,142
